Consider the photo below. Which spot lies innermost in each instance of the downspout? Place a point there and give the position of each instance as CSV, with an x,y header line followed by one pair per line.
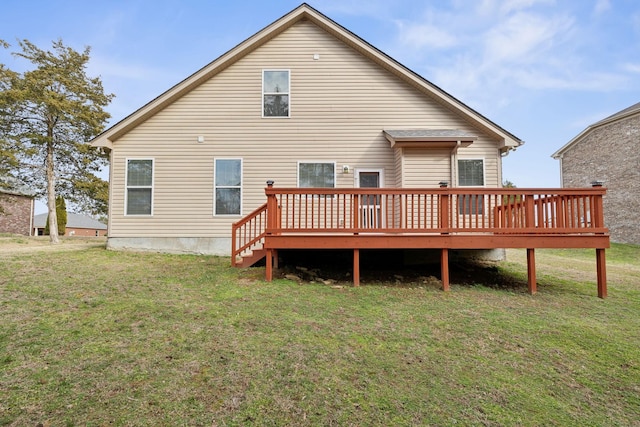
x,y
454,162
561,177
33,202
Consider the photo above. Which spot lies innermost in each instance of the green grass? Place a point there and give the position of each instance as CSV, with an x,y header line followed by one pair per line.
x,y
96,338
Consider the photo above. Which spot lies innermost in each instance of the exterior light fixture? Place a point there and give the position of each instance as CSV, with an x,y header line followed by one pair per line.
x,y
200,139
345,169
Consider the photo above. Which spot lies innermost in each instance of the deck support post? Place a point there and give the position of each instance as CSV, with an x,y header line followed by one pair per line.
x,y
269,265
444,269
356,267
601,267
531,270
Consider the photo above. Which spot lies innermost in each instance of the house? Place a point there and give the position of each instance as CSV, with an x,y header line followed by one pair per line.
x,y
16,212
606,151
77,225
364,153
303,102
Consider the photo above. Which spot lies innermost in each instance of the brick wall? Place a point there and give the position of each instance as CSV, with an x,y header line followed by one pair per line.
x,y
610,153
84,232
15,216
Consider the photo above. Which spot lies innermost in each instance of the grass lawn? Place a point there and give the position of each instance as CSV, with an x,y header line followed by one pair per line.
x,y
95,337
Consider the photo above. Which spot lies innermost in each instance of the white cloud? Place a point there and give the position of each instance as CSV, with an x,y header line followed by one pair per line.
x,y
524,37
421,36
601,7
570,80
631,67
493,55
635,20
509,6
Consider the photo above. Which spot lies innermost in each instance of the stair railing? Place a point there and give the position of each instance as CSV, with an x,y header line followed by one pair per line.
x,y
248,233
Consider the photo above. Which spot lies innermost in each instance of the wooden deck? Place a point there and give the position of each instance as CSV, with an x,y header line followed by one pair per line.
x,y
427,218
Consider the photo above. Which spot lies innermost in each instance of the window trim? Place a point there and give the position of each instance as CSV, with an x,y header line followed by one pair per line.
x,y
484,172
215,186
127,186
288,93
315,162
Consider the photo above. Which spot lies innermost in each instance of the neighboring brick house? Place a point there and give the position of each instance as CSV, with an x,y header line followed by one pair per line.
x,y
607,151
77,225
16,212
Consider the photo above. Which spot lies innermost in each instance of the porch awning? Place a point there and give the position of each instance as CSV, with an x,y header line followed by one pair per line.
x,y
429,138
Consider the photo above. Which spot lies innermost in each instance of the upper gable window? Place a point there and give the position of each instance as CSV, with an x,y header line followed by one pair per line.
x,y
275,93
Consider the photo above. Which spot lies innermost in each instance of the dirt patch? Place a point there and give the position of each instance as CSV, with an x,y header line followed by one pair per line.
x,y
12,245
388,269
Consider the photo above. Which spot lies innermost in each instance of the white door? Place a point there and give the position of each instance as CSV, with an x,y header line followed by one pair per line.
x,y
371,215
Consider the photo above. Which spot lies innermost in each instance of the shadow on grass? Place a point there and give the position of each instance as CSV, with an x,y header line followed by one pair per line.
x,y
391,269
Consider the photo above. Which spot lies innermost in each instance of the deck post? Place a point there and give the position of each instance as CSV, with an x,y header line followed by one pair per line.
x,y
356,267
272,209
444,269
269,265
272,221
601,267
443,208
601,259
531,270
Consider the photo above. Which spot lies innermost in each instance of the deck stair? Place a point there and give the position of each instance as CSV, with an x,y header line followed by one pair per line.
x,y
249,258
247,238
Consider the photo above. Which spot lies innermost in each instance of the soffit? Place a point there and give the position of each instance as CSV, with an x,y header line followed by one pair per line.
x,y
429,138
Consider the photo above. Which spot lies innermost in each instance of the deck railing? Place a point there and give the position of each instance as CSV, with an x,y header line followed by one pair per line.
x,y
434,210
248,233
461,218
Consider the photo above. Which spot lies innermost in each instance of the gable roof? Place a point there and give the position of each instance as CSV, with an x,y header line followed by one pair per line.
x,y
302,12
22,193
73,221
13,186
622,114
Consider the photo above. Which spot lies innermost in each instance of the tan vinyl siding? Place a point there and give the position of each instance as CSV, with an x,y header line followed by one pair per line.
x,y
398,159
339,106
425,168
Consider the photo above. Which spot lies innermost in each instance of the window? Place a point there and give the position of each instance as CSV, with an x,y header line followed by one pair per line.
x,y
316,175
139,187
471,174
275,93
228,187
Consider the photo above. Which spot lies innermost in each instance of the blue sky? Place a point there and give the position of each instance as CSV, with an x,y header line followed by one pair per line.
x,y
542,69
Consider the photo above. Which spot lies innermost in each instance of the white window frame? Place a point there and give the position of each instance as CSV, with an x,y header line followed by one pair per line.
x,y
484,171
316,162
288,93
127,187
484,184
215,185
356,176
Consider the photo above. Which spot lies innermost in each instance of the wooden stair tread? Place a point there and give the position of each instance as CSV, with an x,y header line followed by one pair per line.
x,y
251,258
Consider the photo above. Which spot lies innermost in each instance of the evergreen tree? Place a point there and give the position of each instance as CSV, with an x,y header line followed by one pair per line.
x,y
61,213
46,116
